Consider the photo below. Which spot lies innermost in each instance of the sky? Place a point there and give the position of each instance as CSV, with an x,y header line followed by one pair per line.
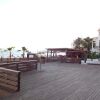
x,y
40,24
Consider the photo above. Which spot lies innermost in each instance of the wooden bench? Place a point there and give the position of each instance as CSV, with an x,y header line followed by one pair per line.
x,y
27,65
9,79
21,66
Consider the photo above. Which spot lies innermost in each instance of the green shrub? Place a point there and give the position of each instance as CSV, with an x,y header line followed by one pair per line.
x,y
93,55
98,56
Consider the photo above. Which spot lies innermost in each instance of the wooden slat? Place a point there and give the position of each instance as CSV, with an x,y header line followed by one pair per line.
x,y
24,69
4,92
10,77
9,71
9,86
7,81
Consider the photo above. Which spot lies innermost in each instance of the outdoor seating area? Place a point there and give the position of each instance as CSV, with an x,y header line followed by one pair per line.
x,y
59,81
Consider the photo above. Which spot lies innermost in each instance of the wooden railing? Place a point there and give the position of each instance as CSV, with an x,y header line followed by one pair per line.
x,y
10,79
21,66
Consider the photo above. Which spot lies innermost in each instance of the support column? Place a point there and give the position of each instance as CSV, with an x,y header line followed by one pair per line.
x,y
51,55
47,56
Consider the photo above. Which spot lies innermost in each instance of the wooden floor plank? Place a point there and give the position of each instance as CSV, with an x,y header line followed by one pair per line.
x,y
60,81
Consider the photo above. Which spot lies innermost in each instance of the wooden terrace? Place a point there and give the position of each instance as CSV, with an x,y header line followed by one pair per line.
x,y
59,81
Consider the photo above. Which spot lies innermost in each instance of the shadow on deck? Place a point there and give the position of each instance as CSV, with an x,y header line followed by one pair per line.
x,y
59,81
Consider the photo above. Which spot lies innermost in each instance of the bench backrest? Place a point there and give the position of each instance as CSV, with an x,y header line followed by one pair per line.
x,y
10,79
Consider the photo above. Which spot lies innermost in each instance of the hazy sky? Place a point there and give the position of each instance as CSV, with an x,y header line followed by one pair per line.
x,y
39,24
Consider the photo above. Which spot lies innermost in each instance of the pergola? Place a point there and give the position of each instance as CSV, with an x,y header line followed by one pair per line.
x,y
71,55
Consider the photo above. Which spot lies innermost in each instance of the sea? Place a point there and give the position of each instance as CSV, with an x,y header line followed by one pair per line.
x,y
14,54
18,54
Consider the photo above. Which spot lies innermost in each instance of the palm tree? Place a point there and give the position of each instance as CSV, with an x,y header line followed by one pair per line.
x,y
18,50
19,57
1,53
10,52
24,50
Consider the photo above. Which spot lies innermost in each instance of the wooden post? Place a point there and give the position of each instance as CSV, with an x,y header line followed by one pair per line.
x,y
53,55
40,63
19,81
47,55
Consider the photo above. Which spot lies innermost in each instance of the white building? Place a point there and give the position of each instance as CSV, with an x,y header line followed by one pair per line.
x,y
96,43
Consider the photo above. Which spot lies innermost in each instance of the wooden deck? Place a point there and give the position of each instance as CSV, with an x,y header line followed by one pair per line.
x,y
60,81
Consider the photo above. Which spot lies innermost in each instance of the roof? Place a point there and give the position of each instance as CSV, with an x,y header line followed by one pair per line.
x,y
63,49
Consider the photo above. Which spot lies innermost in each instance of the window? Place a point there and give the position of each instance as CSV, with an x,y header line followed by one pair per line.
x,y
94,44
99,43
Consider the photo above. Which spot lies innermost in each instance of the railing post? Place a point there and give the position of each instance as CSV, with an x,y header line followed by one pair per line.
x,y
19,74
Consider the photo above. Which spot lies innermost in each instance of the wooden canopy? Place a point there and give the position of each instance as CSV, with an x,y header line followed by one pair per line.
x,y
64,49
